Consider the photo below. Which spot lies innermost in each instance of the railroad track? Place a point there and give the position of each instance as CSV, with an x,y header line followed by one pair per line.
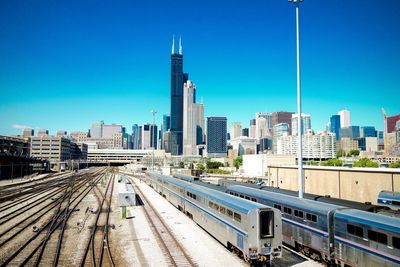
x,y
175,254
32,249
95,254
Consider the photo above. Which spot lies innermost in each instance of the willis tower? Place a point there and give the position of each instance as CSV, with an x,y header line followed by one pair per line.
x,y
178,78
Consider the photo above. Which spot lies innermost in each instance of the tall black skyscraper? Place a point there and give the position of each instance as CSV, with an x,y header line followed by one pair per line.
x,y
178,78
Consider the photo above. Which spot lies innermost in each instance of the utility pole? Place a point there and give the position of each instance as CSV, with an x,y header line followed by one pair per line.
x,y
299,132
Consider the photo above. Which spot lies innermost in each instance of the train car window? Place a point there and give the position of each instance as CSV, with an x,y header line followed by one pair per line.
x,y
311,217
236,194
241,196
187,193
237,217
276,206
253,199
231,193
229,213
216,206
222,209
287,210
355,230
377,237
248,198
210,204
194,196
267,224
396,242
298,213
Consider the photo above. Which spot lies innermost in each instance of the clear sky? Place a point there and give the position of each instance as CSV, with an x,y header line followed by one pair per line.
x,y
66,64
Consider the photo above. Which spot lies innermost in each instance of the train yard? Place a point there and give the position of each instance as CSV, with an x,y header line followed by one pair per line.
x,y
73,219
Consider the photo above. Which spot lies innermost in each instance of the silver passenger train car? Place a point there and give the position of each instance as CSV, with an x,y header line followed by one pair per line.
x,y
250,228
337,235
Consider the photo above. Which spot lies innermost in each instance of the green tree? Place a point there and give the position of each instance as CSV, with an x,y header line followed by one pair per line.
x,y
200,166
365,162
181,164
237,162
354,153
394,164
332,162
340,153
218,171
213,164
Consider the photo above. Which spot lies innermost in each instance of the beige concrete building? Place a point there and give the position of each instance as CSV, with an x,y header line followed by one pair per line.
x,y
236,130
79,136
54,149
243,145
358,184
347,144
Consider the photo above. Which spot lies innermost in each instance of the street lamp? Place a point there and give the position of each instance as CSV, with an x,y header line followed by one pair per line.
x,y
299,133
154,119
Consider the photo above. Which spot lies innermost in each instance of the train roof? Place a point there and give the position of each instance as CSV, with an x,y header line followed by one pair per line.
x,y
238,204
186,177
375,220
325,199
212,186
389,195
303,204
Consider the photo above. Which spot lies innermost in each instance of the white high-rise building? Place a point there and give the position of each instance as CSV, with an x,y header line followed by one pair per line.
x,y
315,146
189,124
344,118
148,136
267,116
305,123
263,125
236,130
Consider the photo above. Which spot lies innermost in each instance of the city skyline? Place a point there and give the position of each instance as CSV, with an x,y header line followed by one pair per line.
x,y
55,77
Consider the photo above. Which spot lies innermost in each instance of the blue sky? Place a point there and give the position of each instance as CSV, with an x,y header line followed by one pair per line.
x,y
66,64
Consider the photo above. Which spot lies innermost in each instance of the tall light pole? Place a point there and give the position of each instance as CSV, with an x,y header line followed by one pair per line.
x,y
299,132
153,127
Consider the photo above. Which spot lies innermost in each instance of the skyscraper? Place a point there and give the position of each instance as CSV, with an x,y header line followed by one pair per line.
x,y
178,78
279,130
305,123
199,122
253,128
166,123
96,130
335,125
27,132
189,126
344,118
149,136
282,117
236,130
367,131
352,132
136,136
216,136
